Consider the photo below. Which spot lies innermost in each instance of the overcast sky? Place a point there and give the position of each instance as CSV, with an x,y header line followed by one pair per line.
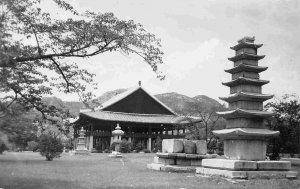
x,y
196,36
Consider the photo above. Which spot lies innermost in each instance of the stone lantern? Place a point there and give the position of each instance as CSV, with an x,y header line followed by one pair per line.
x,y
81,149
117,137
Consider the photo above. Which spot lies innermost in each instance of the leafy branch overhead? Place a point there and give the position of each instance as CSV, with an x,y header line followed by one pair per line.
x,y
33,44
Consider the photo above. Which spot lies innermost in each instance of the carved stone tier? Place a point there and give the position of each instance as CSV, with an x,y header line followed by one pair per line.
x,y
246,68
246,96
247,56
245,143
241,113
246,45
245,133
245,81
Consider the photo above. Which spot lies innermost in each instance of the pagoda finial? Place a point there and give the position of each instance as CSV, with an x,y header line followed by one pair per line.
x,y
140,83
247,39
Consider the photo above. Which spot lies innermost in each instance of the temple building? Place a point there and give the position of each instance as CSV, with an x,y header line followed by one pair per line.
x,y
141,116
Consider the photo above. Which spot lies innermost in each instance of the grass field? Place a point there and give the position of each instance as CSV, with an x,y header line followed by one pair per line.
x,y
30,170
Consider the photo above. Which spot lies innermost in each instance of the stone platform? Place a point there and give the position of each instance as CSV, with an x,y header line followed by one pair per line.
x,y
115,154
178,162
171,168
243,169
82,152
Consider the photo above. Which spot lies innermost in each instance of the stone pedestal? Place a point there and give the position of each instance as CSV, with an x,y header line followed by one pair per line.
x,y
245,149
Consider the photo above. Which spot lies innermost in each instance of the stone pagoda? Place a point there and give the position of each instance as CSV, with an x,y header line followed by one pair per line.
x,y
81,148
245,136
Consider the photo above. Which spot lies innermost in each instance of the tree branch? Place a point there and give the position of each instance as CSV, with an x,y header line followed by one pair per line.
x,y
16,96
62,73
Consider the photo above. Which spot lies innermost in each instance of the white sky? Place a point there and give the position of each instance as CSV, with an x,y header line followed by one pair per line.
x,y
196,36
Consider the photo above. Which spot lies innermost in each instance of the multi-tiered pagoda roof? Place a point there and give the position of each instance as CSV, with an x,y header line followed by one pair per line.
x,y
246,99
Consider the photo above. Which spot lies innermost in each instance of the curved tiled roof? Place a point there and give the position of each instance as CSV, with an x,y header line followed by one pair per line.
x,y
241,113
246,56
246,81
246,67
246,96
137,118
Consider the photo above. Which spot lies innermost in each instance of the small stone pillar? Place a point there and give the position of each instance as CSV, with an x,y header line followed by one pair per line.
x,y
81,148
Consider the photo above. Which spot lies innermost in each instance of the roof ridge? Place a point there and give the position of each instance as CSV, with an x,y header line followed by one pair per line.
x,y
138,114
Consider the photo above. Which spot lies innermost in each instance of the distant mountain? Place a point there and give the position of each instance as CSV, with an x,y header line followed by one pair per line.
x,y
108,95
185,105
179,103
74,107
54,101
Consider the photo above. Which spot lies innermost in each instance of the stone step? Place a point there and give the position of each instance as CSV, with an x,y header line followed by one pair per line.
x,y
247,174
229,164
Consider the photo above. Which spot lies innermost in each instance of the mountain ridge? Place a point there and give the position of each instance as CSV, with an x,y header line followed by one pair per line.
x,y
179,103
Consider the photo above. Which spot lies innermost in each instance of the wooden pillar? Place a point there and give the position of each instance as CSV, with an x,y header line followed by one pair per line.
x,y
91,143
149,139
149,144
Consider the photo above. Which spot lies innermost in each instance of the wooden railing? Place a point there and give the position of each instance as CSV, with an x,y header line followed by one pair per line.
x,y
134,135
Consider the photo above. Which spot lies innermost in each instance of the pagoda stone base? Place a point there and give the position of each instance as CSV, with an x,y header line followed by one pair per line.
x,y
245,149
178,162
82,152
115,154
243,169
171,168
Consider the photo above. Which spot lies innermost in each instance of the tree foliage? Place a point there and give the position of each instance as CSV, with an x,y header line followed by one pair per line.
x,y
287,121
33,44
50,146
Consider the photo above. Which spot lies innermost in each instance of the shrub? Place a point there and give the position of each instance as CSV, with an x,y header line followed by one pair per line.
x,y
2,146
98,147
125,146
157,147
139,147
106,151
112,146
32,146
50,146
146,151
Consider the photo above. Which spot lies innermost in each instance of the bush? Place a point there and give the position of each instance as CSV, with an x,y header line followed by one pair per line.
x,y
106,151
139,147
146,151
2,146
98,147
33,146
50,146
112,146
125,146
157,147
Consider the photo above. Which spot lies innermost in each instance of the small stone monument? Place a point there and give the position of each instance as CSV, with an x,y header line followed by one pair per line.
x,y
245,136
81,149
117,139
